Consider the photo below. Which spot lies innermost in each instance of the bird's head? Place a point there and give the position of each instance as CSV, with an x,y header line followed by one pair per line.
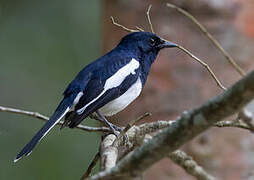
x,y
145,42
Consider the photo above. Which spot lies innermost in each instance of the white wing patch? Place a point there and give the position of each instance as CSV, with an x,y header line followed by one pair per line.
x,y
123,101
115,80
76,100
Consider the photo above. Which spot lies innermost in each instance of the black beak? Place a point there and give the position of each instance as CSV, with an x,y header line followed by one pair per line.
x,y
166,44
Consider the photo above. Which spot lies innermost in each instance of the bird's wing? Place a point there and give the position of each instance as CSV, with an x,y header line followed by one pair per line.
x,y
100,91
71,95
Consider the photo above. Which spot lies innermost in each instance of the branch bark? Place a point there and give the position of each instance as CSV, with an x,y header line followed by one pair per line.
x,y
189,165
108,152
186,127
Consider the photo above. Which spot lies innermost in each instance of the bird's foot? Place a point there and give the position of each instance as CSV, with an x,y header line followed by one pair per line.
x,y
116,130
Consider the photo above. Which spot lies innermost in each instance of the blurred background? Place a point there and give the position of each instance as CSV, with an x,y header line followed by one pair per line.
x,y
44,44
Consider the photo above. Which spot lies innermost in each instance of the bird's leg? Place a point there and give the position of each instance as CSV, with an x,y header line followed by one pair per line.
x,y
113,127
98,118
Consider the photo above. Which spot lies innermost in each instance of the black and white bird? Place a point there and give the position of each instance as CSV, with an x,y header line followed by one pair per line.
x,y
107,85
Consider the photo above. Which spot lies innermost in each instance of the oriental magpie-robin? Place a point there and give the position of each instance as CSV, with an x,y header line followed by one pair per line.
x,y
107,85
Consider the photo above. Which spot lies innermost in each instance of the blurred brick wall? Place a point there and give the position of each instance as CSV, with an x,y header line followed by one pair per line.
x,y
177,83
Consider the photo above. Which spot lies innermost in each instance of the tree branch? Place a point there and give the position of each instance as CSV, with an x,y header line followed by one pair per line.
x,y
123,27
209,36
91,166
178,46
235,123
189,125
108,152
204,65
149,18
128,126
45,118
189,165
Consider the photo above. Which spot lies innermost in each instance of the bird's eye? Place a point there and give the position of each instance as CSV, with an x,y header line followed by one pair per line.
x,y
152,42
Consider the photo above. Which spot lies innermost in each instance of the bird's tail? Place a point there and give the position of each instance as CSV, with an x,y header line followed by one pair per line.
x,y
61,110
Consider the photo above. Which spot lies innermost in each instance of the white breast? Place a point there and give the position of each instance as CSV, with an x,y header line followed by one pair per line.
x,y
124,100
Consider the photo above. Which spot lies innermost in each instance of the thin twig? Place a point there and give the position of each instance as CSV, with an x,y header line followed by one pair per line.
x,y
149,18
91,166
242,121
140,29
189,165
122,26
204,65
45,118
236,123
207,34
180,47
23,112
